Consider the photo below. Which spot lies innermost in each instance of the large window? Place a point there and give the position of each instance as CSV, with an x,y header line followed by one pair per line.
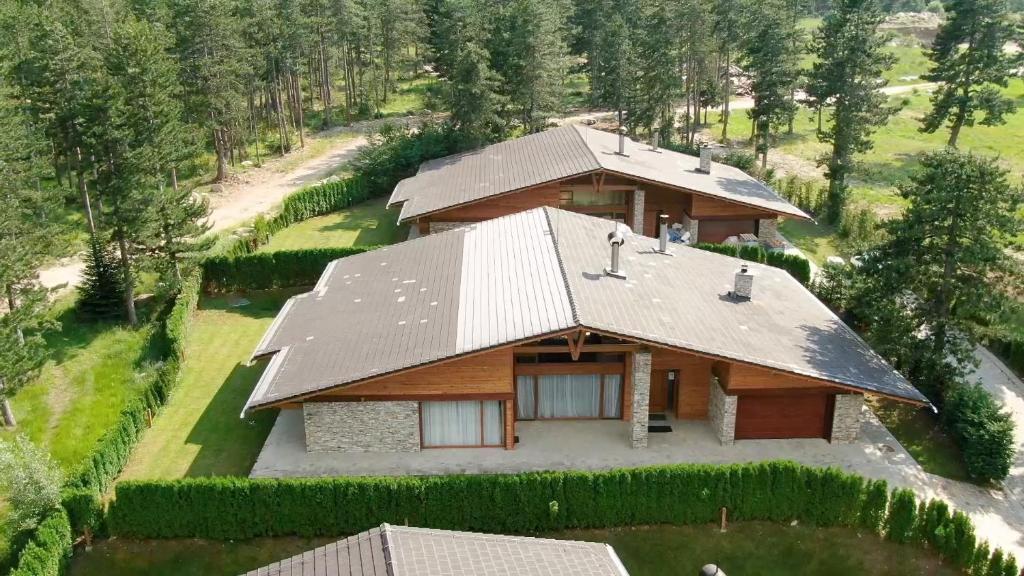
x,y
592,198
568,396
462,423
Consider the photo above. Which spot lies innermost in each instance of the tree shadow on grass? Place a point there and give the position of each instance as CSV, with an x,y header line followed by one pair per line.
x,y
891,170
229,444
254,304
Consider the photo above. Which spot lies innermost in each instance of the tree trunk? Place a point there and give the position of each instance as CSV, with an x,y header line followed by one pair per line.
x,y
5,408
222,161
954,133
129,287
298,99
84,191
727,95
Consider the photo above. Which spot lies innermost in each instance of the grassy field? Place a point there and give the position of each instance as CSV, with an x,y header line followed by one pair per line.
x,y
95,368
366,224
917,429
199,432
748,548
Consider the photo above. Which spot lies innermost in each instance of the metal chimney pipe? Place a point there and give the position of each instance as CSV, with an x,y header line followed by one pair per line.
x,y
616,239
622,141
663,233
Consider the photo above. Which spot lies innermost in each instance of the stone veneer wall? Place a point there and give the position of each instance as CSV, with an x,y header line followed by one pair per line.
x,y
692,226
641,397
362,426
436,227
768,229
638,212
722,413
846,417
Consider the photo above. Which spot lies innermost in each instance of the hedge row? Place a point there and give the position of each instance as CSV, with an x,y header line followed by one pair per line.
x,y
265,270
1012,351
113,449
797,266
49,548
241,508
307,203
982,430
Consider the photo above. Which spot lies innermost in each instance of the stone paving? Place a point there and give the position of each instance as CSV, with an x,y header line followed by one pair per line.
x,y
603,445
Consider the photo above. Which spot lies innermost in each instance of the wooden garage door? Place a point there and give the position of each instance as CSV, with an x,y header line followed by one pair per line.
x,y
784,416
719,230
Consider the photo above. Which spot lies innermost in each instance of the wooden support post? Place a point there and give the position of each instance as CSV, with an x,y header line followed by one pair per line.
x,y
725,518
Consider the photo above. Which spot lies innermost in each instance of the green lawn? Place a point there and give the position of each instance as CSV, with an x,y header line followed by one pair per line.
x,y
199,432
366,224
95,368
918,431
816,241
745,549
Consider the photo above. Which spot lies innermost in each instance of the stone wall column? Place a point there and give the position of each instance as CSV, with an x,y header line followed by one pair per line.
x,y
691,225
641,397
722,413
638,212
362,426
768,230
846,417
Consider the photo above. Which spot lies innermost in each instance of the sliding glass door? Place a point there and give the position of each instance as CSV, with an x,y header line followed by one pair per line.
x,y
462,423
568,396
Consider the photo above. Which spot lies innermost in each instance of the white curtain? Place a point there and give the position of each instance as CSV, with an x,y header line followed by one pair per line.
x,y
613,396
569,396
524,398
451,423
494,422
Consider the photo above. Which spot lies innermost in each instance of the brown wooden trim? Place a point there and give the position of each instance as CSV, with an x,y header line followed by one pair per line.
x,y
562,348
576,344
569,368
416,397
510,424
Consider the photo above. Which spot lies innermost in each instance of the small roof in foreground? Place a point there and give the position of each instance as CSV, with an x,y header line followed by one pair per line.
x,y
541,272
563,153
403,551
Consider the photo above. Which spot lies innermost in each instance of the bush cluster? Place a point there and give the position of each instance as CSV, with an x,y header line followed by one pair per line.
x,y
266,270
983,432
797,266
48,549
1012,351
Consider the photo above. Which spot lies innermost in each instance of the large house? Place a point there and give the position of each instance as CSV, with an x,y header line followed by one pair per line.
x,y
450,339
403,551
593,172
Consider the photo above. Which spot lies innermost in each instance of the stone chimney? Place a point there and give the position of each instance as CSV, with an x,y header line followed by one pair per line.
x,y
744,284
705,159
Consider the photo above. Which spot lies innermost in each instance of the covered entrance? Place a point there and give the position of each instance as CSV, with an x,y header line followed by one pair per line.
x,y
790,415
662,391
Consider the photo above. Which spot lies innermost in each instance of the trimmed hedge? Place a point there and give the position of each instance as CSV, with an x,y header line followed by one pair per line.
x,y
48,549
239,508
265,270
1012,351
797,266
981,429
85,510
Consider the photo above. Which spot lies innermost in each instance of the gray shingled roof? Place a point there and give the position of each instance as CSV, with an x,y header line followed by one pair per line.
x,y
563,153
403,551
540,272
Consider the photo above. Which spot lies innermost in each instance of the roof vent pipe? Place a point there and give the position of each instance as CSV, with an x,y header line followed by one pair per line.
x,y
616,239
705,159
622,141
663,234
744,284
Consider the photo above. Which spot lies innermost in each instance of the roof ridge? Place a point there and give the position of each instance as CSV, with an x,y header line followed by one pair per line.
x,y
561,266
586,144
385,544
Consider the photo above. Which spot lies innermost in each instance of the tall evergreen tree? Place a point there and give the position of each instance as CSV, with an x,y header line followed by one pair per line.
x,y
101,291
771,57
26,237
934,276
851,57
728,29
137,141
970,65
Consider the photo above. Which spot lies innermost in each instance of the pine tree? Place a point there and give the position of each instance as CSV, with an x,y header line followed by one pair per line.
x,y
101,291
771,57
728,29
969,64
851,57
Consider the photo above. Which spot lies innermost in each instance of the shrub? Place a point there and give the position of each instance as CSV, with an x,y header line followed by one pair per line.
x,y
84,509
797,266
983,432
872,512
265,270
49,548
234,508
101,294
899,526
180,317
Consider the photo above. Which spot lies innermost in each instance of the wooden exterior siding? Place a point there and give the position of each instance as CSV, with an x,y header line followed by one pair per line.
x,y
707,207
693,373
743,379
483,376
546,195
